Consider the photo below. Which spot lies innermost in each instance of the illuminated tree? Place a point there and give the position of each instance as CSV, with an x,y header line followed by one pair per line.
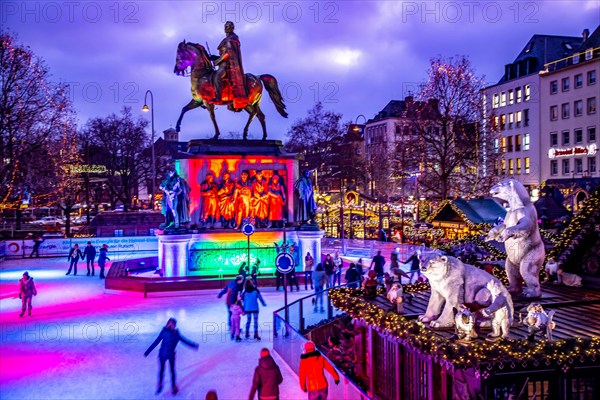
x,y
121,140
36,120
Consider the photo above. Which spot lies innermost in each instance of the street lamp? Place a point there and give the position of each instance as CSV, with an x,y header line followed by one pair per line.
x,y
145,108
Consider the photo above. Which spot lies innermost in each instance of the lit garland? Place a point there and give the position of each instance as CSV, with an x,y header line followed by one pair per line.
x,y
477,354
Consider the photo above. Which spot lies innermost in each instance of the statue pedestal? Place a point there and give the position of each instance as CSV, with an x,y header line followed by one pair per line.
x,y
173,253
310,241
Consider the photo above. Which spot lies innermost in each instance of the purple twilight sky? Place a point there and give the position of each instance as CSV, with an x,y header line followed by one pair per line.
x,y
354,56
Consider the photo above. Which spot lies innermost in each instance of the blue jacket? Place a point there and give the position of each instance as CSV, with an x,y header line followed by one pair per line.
x,y
89,252
103,257
250,300
236,289
169,339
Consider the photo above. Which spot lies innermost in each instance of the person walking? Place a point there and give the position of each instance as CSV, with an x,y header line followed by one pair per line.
x,y
250,299
232,294
74,256
89,253
267,378
236,310
352,277
320,279
102,257
309,263
312,373
169,336
26,292
378,262
338,266
329,268
37,242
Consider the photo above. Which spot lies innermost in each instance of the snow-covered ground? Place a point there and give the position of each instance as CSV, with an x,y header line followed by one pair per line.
x,y
84,343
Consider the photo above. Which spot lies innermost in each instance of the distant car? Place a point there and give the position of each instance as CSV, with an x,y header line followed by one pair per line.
x,y
48,221
80,220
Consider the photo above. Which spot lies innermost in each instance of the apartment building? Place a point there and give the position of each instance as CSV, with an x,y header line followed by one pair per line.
x,y
512,108
569,117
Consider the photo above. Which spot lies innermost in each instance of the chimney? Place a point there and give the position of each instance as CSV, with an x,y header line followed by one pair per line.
x,y
171,135
585,35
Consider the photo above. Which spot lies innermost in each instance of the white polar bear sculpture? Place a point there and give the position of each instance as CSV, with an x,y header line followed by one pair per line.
x,y
501,311
452,284
522,241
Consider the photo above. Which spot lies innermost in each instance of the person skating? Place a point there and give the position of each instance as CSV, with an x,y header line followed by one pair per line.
x,y
26,292
309,264
169,336
250,299
312,373
378,262
320,280
90,254
339,265
102,257
232,294
267,378
37,242
74,256
236,310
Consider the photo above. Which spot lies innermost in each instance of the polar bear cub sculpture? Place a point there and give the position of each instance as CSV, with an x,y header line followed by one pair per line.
x,y
452,284
522,241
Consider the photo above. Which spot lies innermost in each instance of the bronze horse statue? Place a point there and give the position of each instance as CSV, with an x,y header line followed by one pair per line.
x,y
195,56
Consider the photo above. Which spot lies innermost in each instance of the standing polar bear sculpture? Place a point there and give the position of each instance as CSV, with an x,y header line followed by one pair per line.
x,y
524,248
454,283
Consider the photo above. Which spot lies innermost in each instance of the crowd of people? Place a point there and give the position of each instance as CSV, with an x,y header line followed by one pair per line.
x,y
89,255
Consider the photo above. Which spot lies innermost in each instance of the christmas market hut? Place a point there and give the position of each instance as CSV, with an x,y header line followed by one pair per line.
x,y
459,217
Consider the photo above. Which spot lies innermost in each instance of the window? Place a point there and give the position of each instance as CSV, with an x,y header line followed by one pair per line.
x,y
518,166
553,87
565,84
517,142
496,144
519,94
503,146
578,166
576,58
578,106
578,135
591,134
510,144
502,99
503,122
589,53
591,77
565,167
526,117
554,139
511,120
502,166
578,81
565,138
566,110
119,232
553,113
553,167
519,118
527,89
511,166
591,165
511,97
591,105
495,101
526,141
527,165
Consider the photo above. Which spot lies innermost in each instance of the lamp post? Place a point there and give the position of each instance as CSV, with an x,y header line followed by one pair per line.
x,y
145,108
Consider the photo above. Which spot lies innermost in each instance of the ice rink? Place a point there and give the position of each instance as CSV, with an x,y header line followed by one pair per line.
x,y
85,343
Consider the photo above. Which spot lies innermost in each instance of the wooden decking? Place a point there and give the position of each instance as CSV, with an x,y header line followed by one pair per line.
x,y
577,311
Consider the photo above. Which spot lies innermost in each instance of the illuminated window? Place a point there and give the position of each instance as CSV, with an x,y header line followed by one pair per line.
x,y
591,105
519,118
518,166
553,113
496,149
511,120
503,122
502,166
526,141
527,92
503,144
519,94
511,167
511,97
502,99
517,142
578,81
589,53
496,101
527,165
565,84
553,87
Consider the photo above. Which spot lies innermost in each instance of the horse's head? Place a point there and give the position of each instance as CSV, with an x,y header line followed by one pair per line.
x,y
190,55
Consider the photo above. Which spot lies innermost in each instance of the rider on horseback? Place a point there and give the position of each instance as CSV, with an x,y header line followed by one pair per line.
x,y
229,63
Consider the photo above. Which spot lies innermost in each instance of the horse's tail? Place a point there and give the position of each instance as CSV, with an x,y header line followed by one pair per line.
x,y
271,85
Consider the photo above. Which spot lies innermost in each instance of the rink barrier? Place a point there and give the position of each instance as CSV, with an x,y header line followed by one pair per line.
x,y
288,341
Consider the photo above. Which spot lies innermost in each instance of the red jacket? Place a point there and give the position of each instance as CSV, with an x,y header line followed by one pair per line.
x,y
312,371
